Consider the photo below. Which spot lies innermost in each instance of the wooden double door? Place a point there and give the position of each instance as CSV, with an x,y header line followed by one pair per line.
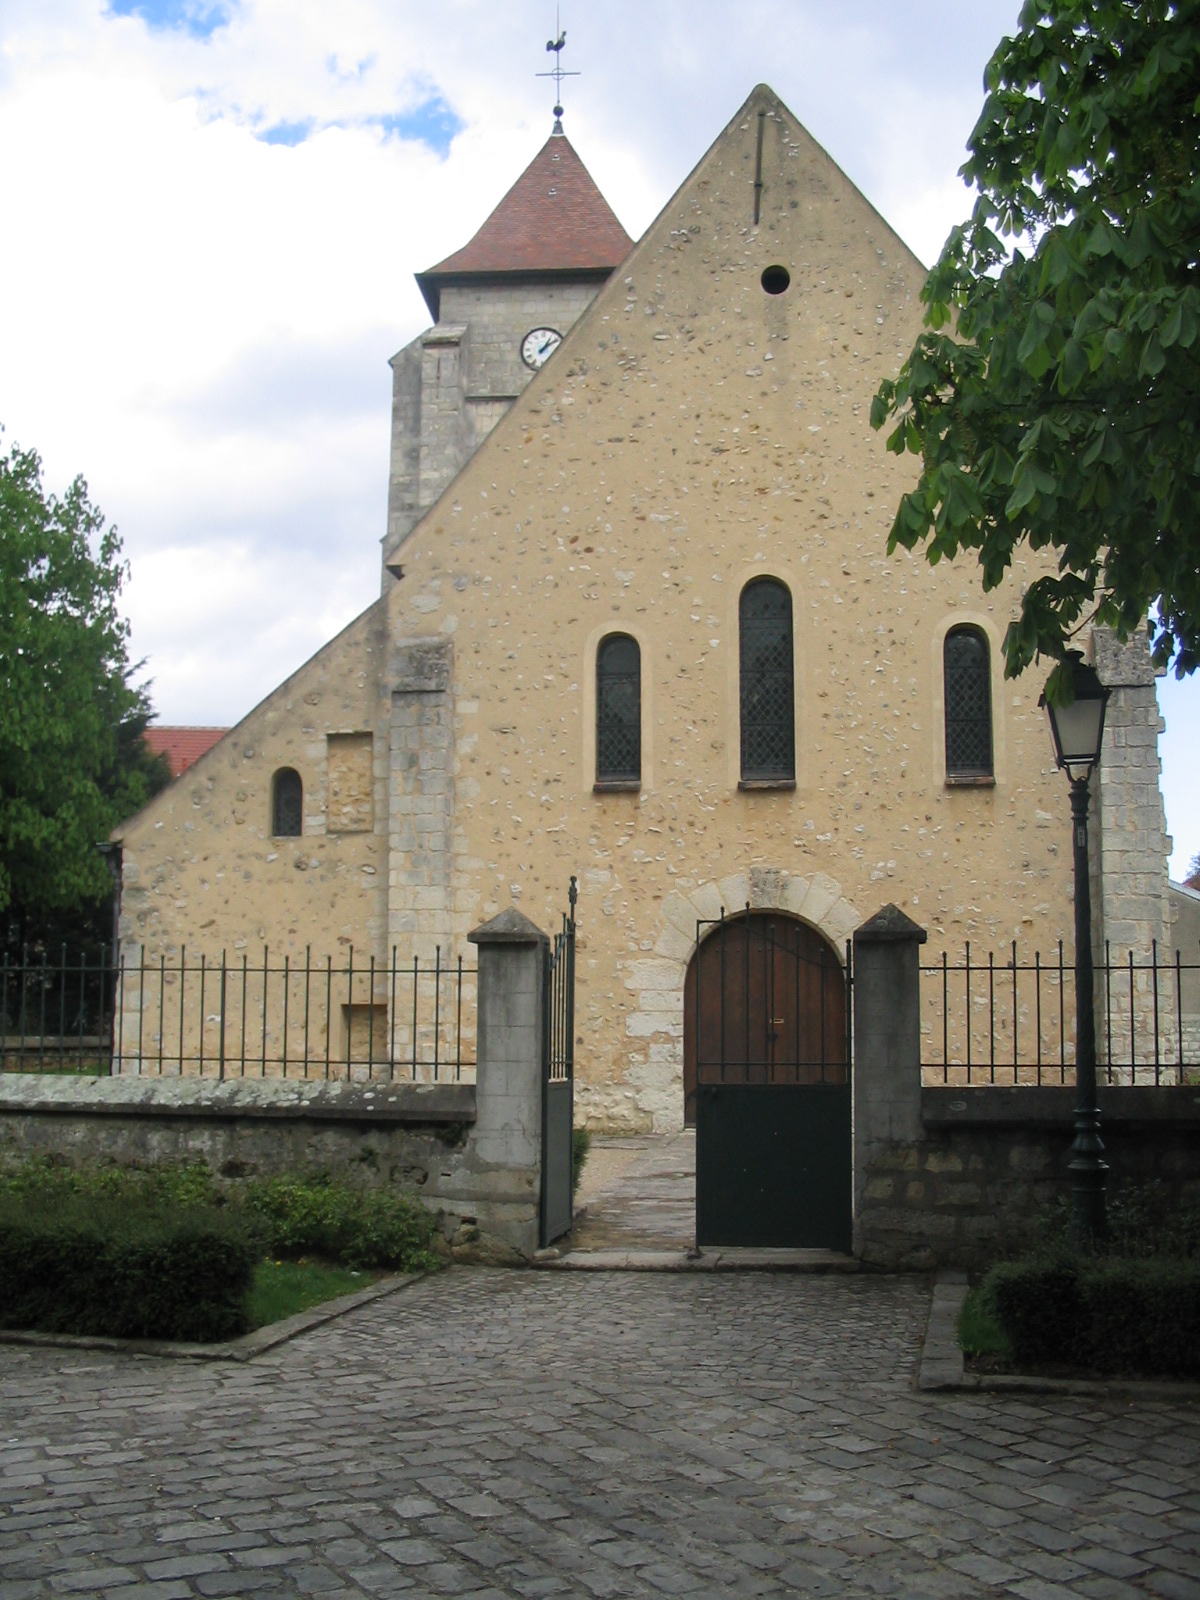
x,y
767,1083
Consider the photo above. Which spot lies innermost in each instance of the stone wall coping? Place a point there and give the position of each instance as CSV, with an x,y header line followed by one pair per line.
x,y
889,924
947,1106
257,1099
510,927
444,333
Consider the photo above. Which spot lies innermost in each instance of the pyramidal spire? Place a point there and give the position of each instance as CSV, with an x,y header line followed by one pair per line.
x,y
553,219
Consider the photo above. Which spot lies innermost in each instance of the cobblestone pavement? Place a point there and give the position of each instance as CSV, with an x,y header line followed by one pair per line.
x,y
492,1433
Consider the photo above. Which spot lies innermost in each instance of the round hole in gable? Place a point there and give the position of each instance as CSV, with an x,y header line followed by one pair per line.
x,y
776,279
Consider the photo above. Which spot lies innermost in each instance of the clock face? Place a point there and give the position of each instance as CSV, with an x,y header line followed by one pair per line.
x,y
538,345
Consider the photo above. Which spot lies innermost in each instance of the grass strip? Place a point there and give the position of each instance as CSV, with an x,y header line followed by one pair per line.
x,y
281,1289
979,1334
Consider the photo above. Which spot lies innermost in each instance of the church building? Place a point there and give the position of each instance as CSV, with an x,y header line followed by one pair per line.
x,y
638,623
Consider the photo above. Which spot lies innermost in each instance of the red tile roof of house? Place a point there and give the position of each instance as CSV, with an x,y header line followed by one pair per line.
x,y
182,746
553,219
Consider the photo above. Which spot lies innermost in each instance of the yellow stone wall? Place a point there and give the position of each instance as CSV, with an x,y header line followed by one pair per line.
x,y
201,867
692,433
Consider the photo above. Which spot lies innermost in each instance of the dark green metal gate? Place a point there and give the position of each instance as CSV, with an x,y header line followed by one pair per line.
x,y
558,1082
767,1080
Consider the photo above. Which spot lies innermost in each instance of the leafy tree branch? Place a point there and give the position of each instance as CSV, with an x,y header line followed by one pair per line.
x,y
72,760
1053,397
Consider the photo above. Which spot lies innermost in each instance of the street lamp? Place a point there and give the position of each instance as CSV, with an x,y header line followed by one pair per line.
x,y
1077,730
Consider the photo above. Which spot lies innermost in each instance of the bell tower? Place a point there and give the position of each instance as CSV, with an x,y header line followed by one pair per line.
x,y
501,306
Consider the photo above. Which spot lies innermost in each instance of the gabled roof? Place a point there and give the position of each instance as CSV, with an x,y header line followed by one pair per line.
x,y
182,746
553,220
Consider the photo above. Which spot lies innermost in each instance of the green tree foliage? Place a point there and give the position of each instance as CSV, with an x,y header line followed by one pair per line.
x,y
72,760
1054,396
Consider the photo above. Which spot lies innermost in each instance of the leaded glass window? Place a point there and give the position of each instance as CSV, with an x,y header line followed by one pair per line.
x,y
287,804
766,691
618,710
967,676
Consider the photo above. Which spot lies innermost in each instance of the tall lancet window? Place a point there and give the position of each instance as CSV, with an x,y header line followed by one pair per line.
x,y
766,689
619,712
287,804
968,694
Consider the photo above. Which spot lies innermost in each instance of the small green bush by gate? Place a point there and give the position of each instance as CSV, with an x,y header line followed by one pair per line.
x,y
354,1227
1098,1313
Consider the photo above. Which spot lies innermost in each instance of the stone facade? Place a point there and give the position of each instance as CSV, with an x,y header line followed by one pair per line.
x,y
201,866
452,384
1130,901
695,431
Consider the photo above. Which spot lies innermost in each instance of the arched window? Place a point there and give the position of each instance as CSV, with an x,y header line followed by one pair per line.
x,y
967,675
619,711
287,803
766,691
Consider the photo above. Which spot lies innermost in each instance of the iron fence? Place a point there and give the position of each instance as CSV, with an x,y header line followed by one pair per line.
x,y
1008,1021
359,1019
56,1014
560,998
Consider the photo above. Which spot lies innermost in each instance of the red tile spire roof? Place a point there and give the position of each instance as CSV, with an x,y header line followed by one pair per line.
x,y
553,219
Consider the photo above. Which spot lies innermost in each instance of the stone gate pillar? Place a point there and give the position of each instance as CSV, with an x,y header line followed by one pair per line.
x,y
505,1156
887,1054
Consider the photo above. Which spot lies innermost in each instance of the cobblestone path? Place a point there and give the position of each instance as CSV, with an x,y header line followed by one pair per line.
x,y
540,1434
637,1193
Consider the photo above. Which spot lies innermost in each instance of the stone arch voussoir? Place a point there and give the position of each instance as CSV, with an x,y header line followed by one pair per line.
x,y
656,982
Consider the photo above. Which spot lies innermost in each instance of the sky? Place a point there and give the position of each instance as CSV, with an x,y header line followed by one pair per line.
x,y
214,210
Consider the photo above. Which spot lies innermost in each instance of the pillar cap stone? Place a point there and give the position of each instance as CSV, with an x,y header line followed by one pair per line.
x,y
887,925
510,927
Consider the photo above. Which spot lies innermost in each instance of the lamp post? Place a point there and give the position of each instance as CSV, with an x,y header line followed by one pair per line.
x,y
1077,730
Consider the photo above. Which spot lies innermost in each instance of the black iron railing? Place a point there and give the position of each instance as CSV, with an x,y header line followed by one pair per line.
x,y
56,1012
283,1016
560,998
1002,1020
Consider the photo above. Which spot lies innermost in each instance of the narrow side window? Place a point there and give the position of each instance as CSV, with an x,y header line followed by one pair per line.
x,y
966,669
287,803
766,695
619,711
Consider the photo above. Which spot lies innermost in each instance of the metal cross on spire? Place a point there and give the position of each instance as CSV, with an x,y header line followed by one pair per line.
x,y
558,73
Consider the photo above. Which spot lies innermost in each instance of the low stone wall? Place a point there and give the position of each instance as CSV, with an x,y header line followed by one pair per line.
x,y
471,1152
944,1176
412,1136
991,1161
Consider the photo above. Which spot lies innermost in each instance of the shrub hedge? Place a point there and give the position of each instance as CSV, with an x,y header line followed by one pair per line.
x,y
162,1253
1107,1314
356,1227
75,1265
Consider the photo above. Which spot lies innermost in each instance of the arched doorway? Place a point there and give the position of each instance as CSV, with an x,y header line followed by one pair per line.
x,y
764,1001
767,1083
